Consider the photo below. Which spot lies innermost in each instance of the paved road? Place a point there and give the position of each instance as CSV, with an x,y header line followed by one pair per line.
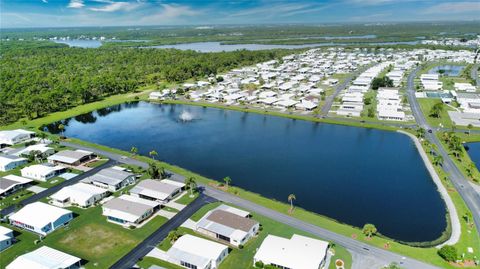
x,y
56,188
129,260
368,253
469,195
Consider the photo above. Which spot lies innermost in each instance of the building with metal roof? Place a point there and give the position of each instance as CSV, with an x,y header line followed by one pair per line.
x,y
80,194
42,172
161,191
9,162
129,210
6,237
13,137
71,157
227,226
194,252
45,258
12,183
40,218
111,179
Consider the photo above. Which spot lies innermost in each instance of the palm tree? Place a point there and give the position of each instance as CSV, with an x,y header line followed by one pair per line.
x,y
438,160
468,217
291,197
61,128
369,230
134,150
191,182
152,154
227,181
469,127
173,235
420,132
42,136
153,171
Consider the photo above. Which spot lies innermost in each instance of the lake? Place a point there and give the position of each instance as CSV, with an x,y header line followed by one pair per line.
x,y
474,152
449,70
354,175
218,46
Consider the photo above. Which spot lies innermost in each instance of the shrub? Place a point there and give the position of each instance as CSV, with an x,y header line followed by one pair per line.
x,y
259,264
240,246
448,253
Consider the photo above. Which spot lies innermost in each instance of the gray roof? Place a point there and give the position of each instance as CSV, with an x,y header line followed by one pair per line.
x,y
69,156
7,183
153,188
127,206
110,176
468,95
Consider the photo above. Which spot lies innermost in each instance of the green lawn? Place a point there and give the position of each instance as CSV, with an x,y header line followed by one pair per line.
x,y
186,199
426,105
97,163
90,237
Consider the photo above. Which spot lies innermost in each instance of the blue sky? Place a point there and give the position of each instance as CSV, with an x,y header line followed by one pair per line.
x,y
61,13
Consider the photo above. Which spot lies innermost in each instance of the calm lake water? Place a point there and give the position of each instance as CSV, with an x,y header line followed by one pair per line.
x,y
474,152
217,46
354,175
449,70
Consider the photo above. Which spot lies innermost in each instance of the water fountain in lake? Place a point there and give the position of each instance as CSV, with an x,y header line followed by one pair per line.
x,y
186,116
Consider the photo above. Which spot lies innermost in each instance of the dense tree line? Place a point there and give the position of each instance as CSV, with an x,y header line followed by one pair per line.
x,y
35,81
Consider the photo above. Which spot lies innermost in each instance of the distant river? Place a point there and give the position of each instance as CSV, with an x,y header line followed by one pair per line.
x,y
354,175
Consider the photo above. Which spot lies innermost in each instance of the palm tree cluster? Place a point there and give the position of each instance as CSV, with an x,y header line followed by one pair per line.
x,y
454,144
191,183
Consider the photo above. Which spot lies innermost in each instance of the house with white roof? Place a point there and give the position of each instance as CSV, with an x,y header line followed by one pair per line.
x,y
223,224
13,137
298,252
157,190
45,258
40,218
466,87
80,194
42,148
129,210
9,162
42,172
306,105
111,179
6,237
12,183
71,157
194,252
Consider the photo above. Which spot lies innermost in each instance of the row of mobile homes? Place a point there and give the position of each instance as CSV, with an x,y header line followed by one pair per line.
x,y
129,210
71,157
42,172
13,137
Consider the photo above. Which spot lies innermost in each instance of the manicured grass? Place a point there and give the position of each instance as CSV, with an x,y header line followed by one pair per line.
x,y
186,199
170,209
90,237
426,105
97,163
24,244
146,262
15,198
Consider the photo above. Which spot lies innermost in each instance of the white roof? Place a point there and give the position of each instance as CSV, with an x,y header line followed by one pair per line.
x,y
299,252
12,134
4,230
127,207
40,147
156,189
195,249
6,159
38,214
41,169
44,258
233,210
78,192
6,185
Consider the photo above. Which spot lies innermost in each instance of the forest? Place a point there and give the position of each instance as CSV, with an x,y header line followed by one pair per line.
x,y
37,78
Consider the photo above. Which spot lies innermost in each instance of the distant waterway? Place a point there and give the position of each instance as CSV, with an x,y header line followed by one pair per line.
x,y
354,175
449,70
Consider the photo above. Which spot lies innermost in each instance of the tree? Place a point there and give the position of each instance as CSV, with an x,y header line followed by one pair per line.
x,y
392,265
469,127
191,182
438,160
173,235
421,132
369,230
152,154
381,82
42,136
437,110
227,181
468,217
367,101
153,171
61,128
134,150
371,112
291,198
448,253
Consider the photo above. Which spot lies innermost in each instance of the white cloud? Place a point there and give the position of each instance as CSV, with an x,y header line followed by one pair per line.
x,y
454,7
76,4
169,14
116,6
281,9
45,1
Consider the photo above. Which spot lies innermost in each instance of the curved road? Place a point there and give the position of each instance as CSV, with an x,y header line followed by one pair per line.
x,y
363,252
461,184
